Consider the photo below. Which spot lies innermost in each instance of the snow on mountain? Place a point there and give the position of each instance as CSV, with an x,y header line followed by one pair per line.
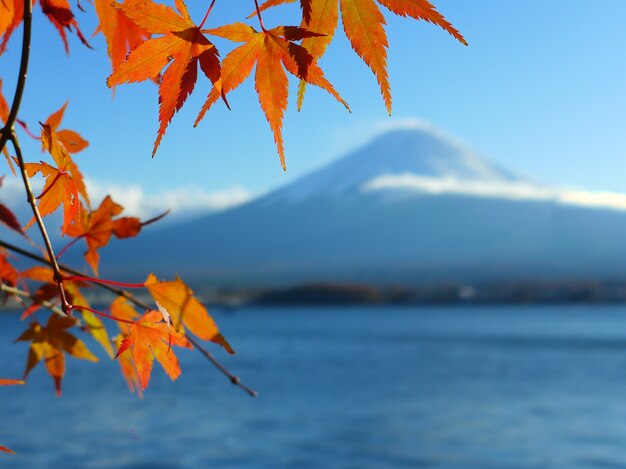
x,y
419,151
411,206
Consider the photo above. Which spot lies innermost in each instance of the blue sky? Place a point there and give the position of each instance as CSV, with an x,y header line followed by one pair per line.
x,y
541,89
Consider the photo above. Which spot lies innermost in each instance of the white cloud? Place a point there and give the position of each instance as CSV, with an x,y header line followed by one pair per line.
x,y
497,189
183,202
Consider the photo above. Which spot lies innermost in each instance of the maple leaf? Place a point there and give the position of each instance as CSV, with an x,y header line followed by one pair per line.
x,y
181,48
63,183
7,10
270,50
149,338
127,366
121,309
9,219
99,225
62,18
185,309
46,292
11,14
364,26
8,273
422,10
121,34
71,140
51,343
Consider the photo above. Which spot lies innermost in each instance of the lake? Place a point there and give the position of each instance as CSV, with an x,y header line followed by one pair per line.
x,y
376,387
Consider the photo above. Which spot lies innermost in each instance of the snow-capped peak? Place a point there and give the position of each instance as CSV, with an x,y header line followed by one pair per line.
x,y
420,151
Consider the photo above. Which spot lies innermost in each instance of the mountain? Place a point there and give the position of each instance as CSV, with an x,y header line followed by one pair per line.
x,y
411,206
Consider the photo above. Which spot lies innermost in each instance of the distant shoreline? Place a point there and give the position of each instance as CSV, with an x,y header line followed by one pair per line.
x,y
338,294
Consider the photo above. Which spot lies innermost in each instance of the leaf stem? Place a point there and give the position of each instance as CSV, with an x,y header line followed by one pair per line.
x,y
24,126
258,14
206,16
100,313
69,245
83,278
157,218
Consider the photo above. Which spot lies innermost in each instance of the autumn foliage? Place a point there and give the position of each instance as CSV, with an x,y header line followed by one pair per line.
x,y
160,43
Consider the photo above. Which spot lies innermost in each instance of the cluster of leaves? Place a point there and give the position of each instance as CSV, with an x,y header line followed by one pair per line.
x,y
149,41
153,41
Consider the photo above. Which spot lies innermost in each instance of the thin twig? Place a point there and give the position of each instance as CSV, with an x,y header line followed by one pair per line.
x,y
68,245
115,283
100,313
208,12
21,80
258,14
232,378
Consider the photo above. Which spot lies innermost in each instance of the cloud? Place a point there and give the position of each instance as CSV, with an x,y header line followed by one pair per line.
x,y
183,202
521,190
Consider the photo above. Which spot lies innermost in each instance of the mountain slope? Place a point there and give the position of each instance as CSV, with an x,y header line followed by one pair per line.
x,y
444,215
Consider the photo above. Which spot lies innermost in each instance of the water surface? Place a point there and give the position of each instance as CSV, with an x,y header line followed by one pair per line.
x,y
475,387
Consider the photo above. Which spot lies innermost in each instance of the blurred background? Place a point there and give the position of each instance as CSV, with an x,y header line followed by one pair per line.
x,y
442,288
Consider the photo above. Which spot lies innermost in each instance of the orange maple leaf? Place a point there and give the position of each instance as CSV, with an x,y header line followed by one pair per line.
x,y
185,309
7,10
149,338
8,273
51,343
122,309
182,46
72,141
121,34
127,366
270,50
11,14
63,183
46,292
99,225
62,18
364,25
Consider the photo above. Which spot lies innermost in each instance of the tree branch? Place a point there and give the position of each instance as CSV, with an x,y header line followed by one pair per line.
x,y
119,292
